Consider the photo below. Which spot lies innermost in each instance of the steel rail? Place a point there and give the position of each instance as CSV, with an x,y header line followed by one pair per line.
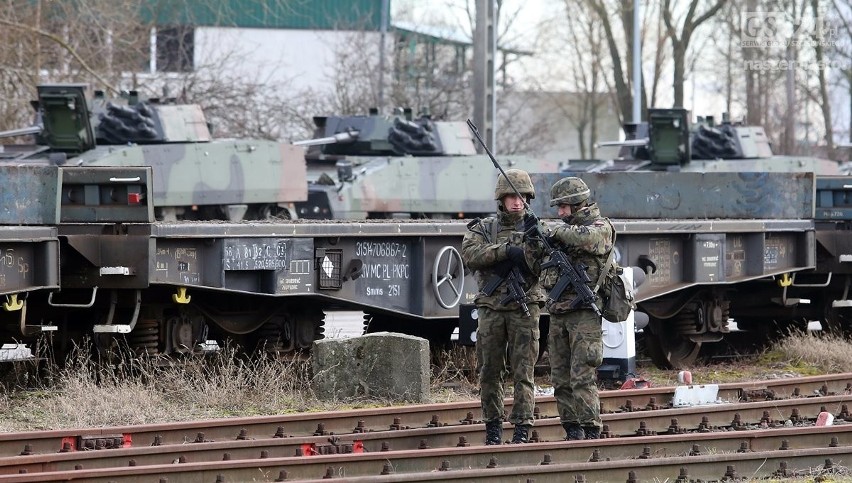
x,y
705,455
623,429
390,418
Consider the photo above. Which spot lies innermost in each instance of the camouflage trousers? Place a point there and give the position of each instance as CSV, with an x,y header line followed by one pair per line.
x,y
575,347
498,331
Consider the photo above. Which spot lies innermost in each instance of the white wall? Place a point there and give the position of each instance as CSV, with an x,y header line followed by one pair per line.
x,y
304,58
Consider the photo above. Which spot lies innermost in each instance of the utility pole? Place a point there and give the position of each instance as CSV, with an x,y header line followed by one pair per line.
x,y
637,64
383,30
484,80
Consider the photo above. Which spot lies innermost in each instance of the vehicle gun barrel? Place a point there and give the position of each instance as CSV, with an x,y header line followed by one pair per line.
x,y
21,132
342,138
627,142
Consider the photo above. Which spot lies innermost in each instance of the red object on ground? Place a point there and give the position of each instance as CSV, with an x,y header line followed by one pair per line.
x,y
825,419
636,383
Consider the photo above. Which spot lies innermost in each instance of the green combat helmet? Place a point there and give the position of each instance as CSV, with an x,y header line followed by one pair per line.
x,y
569,191
519,178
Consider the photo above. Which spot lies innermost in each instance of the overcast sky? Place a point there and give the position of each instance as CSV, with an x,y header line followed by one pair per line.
x,y
700,90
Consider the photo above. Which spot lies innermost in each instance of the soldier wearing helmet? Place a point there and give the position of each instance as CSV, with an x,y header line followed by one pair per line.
x,y
492,248
575,343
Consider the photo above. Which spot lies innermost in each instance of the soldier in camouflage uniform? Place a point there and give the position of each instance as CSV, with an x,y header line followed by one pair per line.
x,y
491,249
575,343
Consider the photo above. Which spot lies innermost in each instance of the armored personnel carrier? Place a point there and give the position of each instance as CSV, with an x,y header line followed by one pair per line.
x,y
724,230
195,175
669,142
398,166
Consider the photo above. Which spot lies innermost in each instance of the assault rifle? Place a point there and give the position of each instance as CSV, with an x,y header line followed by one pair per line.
x,y
569,273
512,277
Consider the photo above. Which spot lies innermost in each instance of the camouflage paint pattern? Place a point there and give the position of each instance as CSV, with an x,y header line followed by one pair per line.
x,y
402,166
220,172
480,255
191,168
456,186
587,240
499,329
575,347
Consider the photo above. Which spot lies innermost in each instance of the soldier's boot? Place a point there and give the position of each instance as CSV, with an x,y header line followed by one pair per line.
x,y
573,431
592,432
493,432
522,434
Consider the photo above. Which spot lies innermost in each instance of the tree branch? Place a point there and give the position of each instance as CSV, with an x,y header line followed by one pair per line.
x,y
65,46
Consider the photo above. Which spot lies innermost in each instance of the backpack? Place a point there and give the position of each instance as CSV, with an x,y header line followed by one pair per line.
x,y
616,291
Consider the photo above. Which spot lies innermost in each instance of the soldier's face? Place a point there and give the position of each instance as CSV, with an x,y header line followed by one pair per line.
x,y
513,203
564,210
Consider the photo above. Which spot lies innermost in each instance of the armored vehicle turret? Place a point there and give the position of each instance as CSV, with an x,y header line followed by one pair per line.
x,y
669,142
195,175
397,135
398,166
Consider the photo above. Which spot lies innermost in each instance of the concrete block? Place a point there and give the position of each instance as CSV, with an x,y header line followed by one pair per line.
x,y
382,365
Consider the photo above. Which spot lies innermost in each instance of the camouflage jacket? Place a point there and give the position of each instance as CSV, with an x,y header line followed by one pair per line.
x,y
586,239
482,255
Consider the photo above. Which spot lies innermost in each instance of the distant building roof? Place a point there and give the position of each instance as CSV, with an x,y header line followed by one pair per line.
x,y
445,35
303,14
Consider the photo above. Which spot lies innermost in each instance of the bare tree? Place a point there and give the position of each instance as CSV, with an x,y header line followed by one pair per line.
x,y
61,42
680,40
526,122
819,52
842,51
107,44
618,38
586,41
623,91
661,57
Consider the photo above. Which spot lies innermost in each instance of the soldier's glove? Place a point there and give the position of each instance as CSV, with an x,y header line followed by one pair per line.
x,y
518,258
516,255
503,268
552,241
530,226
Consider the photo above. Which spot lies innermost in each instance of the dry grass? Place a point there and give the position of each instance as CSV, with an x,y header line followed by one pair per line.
x,y
799,354
88,393
815,351
454,375
146,390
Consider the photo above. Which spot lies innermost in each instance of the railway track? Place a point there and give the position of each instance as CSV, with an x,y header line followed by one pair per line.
x,y
640,424
392,418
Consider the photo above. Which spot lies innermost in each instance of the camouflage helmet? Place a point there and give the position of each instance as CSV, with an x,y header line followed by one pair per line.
x,y
519,178
569,191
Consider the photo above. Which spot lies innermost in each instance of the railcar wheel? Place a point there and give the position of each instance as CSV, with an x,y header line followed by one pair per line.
x,y
308,326
269,336
667,348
